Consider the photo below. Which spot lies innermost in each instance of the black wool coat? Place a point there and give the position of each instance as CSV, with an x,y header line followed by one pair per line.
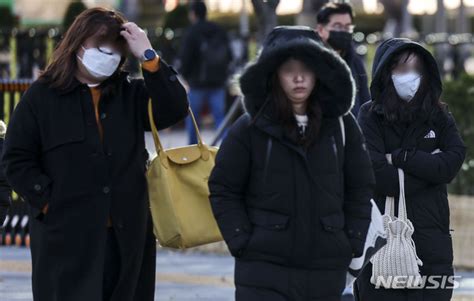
x,y
53,155
277,202
426,175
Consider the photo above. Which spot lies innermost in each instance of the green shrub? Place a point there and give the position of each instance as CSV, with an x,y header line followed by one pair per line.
x,y
459,95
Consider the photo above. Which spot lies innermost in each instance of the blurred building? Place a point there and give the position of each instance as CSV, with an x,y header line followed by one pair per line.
x,y
48,11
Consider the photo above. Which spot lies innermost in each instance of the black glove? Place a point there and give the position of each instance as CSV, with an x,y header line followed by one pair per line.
x,y
401,156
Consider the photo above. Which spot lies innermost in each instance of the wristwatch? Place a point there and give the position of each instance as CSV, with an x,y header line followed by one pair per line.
x,y
149,55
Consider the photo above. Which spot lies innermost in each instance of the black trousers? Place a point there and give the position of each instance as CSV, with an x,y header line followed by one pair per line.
x,y
111,265
264,281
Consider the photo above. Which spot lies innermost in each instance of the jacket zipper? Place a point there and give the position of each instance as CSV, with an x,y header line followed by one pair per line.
x,y
295,211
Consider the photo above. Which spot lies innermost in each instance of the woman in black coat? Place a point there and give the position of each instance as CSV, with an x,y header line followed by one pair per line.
x,y
292,201
405,125
75,151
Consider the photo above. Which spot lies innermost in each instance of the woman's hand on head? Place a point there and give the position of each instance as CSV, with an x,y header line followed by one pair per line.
x,y
136,38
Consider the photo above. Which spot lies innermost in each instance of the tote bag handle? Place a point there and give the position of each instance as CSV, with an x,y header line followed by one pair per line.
x,y
156,137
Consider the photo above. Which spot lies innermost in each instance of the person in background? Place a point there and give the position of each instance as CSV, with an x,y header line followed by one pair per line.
x,y
335,26
205,56
408,127
5,189
292,200
75,151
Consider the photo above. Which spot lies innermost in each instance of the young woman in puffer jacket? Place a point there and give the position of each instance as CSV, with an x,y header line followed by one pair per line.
x,y
292,199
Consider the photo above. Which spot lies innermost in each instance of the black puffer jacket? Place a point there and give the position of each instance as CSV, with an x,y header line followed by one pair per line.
x,y
426,175
275,201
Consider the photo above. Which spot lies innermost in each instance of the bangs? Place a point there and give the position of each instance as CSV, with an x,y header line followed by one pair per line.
x,y
407,56
110,35
106,28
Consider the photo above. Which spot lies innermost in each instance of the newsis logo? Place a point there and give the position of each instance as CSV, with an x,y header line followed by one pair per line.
x,y
423,282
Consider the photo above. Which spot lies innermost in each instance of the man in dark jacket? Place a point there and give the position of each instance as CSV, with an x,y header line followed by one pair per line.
x,y
75,151
204,62
293,216
335,25
430,151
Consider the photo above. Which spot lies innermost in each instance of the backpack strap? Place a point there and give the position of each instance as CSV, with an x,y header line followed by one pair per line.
x,y
341,145
268,152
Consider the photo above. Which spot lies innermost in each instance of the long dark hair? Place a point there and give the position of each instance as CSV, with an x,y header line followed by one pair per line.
x,y
283,110
99,22
425,101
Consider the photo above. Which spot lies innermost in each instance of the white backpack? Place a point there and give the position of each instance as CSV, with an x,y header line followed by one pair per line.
x,y
396,264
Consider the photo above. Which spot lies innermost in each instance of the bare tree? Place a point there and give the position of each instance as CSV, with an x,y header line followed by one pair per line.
x,y
441,26
406,20
464,49
308,13
265,10
399,20
462,25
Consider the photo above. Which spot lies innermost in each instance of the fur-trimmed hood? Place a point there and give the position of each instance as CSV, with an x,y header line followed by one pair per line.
x,y
336,88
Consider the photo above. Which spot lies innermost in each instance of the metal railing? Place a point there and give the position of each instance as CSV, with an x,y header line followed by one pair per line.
x,y
10,94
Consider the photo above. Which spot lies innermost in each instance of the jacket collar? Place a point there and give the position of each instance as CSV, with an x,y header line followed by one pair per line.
x,y
266,123
76,84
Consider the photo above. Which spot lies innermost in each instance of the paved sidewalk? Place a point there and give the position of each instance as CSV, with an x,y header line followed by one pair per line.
x,y
180,277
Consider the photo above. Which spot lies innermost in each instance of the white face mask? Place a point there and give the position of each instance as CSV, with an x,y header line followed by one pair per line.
x,y
406,84
100,62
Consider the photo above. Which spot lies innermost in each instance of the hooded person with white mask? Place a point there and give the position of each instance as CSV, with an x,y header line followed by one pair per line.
x,y
408,127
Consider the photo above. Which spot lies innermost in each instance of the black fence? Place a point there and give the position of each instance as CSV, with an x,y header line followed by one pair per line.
x,y
10,94
15,230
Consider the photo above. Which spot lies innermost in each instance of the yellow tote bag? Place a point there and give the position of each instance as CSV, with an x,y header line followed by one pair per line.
x,y
178,192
